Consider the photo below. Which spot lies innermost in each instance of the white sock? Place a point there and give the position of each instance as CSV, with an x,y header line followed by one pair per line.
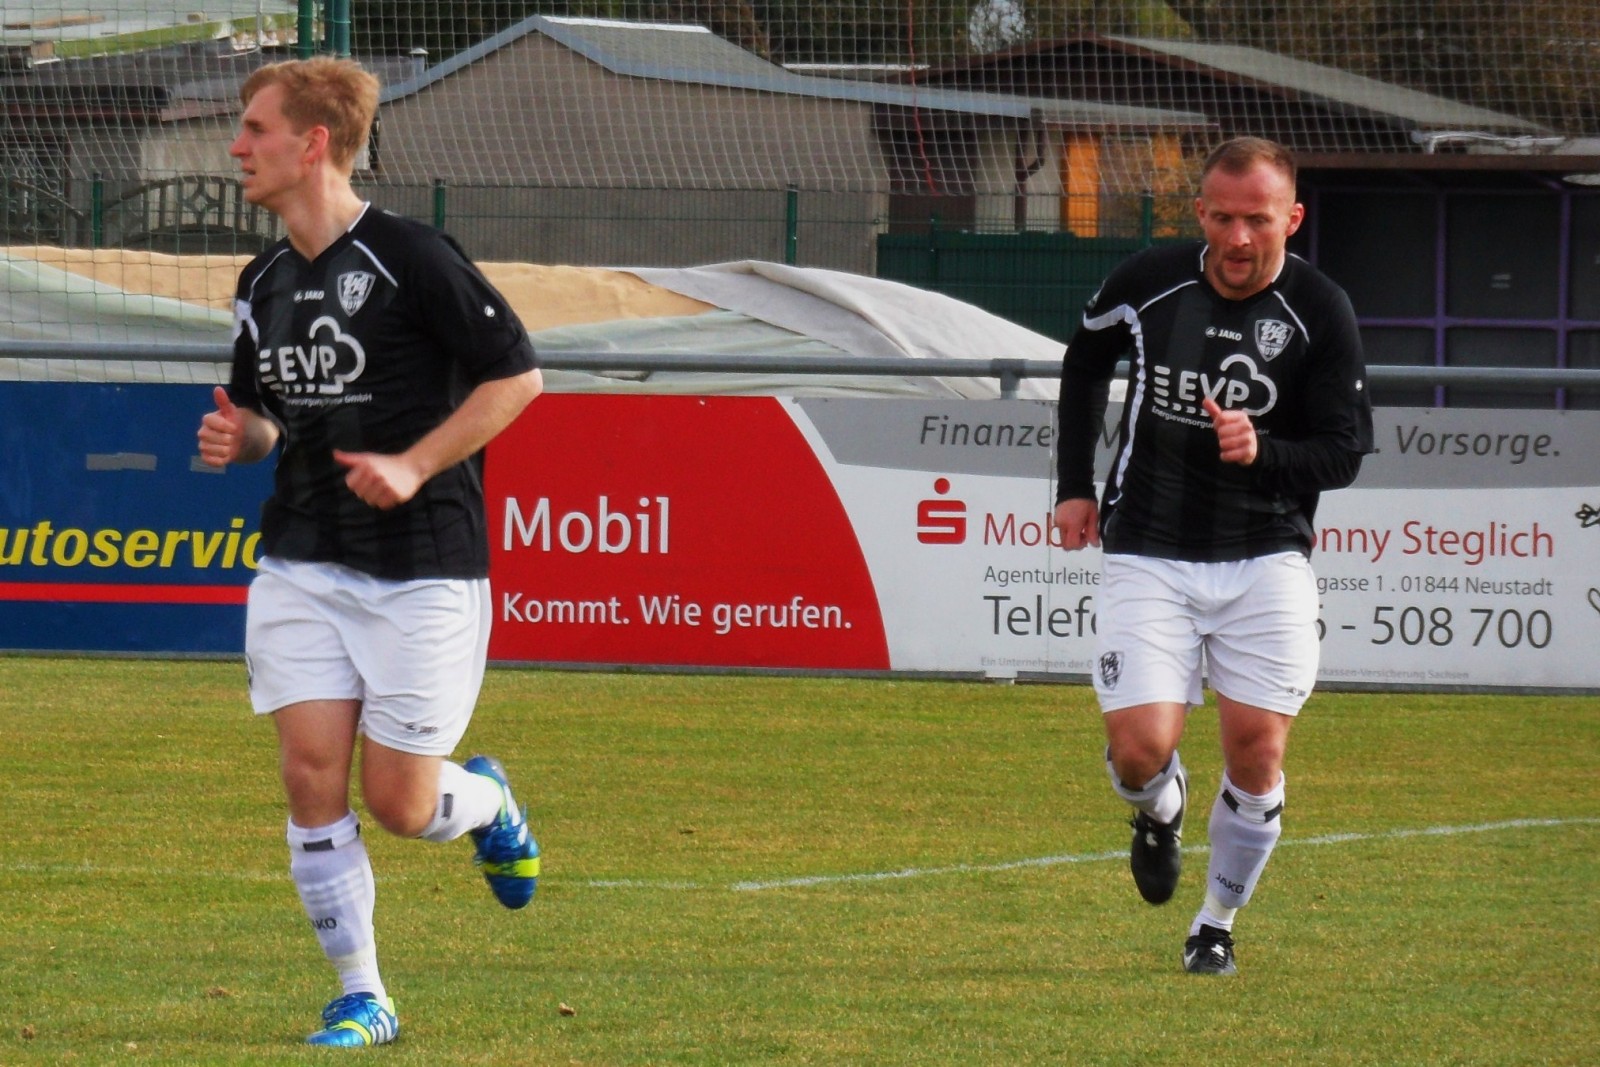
x,y
1213,913
1244,828
331,871
1160,798
467,801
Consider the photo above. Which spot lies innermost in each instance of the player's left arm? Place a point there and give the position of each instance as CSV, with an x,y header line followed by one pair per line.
x,y
386,481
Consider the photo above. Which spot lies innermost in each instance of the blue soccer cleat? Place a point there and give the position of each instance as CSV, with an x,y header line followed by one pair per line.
x,y
357,1020
507,854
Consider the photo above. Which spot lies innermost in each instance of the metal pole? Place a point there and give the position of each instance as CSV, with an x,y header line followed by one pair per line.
x,y
305,45
438,203
791,226
97,212
339,28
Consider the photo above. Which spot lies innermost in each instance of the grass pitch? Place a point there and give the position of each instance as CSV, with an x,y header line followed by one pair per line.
x,y
763,870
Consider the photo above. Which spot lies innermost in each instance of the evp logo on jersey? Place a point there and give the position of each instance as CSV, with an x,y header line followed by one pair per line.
x,y
1238,383
941,522
324,366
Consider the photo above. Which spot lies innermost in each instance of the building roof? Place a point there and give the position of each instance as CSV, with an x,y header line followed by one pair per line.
x,y
1333,88
153,85
692,54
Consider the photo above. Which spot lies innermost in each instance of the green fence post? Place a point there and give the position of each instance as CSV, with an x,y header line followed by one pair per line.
x,y
1147,218
306,30
97,212
339,28
791,226
438,203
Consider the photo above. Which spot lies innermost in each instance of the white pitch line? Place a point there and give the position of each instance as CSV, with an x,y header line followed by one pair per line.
x,y
1094,857
926,872
806,881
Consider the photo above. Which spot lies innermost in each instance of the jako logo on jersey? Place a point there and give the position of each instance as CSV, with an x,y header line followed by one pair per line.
x,y
1272,337
354,288
326,365
941,522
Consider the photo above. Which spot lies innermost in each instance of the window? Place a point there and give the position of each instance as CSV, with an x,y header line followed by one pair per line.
x,y
1585,263
1583,350
1478,347
1502,256
1400,348
1381,248
1481,277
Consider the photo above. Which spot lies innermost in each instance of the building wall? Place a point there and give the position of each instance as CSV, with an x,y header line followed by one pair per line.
x,y
537,113
996,180
648,227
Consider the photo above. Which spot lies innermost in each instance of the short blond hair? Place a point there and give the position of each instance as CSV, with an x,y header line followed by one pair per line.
x,y
338,94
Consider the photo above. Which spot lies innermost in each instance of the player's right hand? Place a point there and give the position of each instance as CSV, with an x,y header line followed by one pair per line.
x,y
221,431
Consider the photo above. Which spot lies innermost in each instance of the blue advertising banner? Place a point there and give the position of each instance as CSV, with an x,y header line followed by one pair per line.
x,y
113,536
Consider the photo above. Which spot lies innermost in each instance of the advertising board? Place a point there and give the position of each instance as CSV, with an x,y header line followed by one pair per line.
x,y
826,534
914,535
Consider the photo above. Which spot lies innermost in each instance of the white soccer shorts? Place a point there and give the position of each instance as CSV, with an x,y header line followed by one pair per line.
x,y
412,652
1249,627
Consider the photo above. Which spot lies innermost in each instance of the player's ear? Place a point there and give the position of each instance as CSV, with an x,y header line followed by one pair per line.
x,y
317,143
1297,215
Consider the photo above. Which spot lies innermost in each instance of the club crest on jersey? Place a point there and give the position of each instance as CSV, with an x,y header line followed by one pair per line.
x,y
1110,669
354,288
1272,337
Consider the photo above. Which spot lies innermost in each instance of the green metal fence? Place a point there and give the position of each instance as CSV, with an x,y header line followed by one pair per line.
x,y
1039,280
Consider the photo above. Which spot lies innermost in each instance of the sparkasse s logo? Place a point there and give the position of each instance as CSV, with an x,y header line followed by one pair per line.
x,y
941,521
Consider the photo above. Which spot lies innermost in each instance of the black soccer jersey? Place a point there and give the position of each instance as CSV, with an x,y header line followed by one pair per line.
x,y
367,349
1290,356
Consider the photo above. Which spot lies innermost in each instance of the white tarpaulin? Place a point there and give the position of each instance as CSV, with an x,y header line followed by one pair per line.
x,y
837,313
115,297
43,302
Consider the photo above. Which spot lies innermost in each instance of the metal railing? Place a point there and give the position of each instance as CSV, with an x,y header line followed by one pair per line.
x,y
1009,372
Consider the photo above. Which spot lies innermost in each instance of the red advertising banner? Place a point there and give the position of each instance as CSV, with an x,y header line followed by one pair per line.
x,y
673,530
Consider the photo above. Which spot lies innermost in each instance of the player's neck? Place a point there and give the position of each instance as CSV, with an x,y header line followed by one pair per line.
x,y
320,218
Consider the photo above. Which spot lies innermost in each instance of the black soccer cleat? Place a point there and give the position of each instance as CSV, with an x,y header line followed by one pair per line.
x,y
1209,952
1156,858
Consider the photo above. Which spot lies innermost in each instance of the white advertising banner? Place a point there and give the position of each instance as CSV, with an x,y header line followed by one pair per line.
x,y
1467,553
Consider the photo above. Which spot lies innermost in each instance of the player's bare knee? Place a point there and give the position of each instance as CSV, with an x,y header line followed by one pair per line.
x,y
401,815
1255,768
1137,761
313,788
